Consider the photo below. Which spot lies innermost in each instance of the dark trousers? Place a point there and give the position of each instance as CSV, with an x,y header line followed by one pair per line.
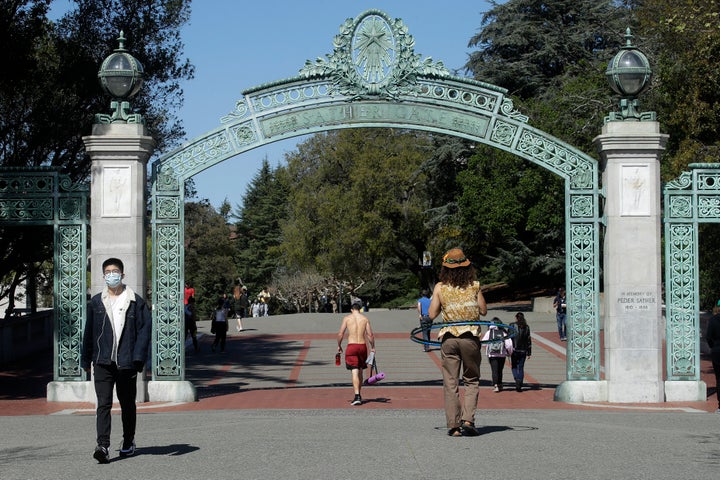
x,y
220,335
425,324
715,356
517,361
124,381
496,367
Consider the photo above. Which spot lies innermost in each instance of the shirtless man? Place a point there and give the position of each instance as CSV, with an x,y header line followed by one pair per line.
x,y
358,328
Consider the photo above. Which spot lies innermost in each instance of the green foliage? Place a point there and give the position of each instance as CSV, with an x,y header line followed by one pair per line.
x,y
354,202
49,91
553,55
258,227
684,46
524,44
512,218
209,254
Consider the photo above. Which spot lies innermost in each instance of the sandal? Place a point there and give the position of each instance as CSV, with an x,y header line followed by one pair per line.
x,y
455,432
468,429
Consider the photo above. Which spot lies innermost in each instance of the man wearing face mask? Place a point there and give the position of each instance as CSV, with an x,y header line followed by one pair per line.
x,y
115,341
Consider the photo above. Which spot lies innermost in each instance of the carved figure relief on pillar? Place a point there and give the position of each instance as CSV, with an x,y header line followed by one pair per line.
x,y
634,191
116,192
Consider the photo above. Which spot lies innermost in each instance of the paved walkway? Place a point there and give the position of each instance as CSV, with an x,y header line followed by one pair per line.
x,y
276,406
287,361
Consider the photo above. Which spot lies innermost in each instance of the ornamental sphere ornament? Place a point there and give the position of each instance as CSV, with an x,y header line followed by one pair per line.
x,y
629,74
121,77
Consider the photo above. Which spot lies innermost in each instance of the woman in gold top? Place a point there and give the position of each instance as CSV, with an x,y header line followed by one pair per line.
x,y
459,298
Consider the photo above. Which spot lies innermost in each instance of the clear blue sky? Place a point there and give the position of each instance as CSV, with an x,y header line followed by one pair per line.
x,y
236,45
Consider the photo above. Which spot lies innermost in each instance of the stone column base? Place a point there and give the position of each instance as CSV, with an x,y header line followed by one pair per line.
x,y
635,392
685,391
172,391
85,392
71,392
579,391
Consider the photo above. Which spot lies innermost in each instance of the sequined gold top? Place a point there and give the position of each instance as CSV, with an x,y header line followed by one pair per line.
x,y
460,305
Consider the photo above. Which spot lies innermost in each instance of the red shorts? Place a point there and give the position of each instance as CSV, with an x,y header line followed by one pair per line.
x,y
355,356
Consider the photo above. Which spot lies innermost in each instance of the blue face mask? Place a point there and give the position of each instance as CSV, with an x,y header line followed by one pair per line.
x,y
112,280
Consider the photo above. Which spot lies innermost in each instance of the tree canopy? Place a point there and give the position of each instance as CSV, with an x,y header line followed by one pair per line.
x,y
49,93
358,207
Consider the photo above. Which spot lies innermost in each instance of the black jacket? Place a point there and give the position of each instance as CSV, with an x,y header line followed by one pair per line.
x,y
522,342
712,334
98,340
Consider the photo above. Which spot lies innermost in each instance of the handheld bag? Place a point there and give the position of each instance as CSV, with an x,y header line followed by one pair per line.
x,y
373,365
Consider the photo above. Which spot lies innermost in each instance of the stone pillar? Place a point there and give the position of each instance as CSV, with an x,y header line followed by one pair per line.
x,y
119,153
632,261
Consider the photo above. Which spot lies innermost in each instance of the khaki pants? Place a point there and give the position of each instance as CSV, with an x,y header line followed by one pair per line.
x,y
457,352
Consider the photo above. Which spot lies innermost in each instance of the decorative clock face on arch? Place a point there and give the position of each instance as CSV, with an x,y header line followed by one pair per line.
x,y
373,50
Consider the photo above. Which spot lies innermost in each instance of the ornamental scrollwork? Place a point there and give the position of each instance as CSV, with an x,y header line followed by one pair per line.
x,y
508,109
683,182
374,56
503,133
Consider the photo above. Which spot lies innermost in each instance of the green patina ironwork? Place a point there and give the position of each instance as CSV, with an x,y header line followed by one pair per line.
x,y
373,78
691,199
42,196
121,76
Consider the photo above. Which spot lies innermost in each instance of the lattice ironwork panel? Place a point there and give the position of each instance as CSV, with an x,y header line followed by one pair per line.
x,y
691,199
583,360
168,330
43,196
70,300
682,301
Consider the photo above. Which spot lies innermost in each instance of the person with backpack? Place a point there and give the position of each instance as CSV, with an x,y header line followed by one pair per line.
x,y
522,349
496,349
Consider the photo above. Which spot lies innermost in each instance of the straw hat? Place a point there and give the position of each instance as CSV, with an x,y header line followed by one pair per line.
x,y
454,258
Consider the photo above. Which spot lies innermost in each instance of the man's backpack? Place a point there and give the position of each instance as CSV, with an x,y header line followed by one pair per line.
x,y
495,347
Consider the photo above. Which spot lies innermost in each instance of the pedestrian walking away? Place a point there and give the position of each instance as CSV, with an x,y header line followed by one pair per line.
x,y
459,297
240,305
560,305
522,349
359,335
498,347
219,325
191,322
712,336
116,339
423,304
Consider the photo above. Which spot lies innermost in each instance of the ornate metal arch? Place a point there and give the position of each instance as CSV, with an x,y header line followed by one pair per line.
x,y
43,196
691,199
374,78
